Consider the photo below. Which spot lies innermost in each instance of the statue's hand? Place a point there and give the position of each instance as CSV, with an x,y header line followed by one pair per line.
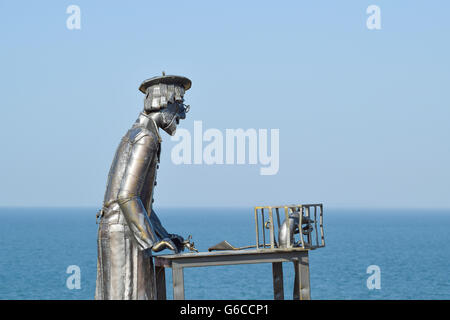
x,y
165,243
178,241
190,245
182,243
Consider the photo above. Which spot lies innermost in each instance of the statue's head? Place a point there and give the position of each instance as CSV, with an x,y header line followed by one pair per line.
x,y
164,100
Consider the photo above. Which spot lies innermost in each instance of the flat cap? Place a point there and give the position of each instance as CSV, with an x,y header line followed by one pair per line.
x,y
176,80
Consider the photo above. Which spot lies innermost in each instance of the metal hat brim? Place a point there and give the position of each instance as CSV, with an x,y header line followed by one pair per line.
x,y
176,80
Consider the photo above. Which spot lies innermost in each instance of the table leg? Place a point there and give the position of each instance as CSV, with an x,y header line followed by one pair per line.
x,y
178,282
160,275
277,272
302,289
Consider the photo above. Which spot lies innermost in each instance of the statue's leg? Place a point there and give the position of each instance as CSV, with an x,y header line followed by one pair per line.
x,y
120,263
145,277
124,272
103,263
132,272
99,289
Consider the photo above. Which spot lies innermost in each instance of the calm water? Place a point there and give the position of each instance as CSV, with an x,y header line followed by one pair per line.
x,y
411,248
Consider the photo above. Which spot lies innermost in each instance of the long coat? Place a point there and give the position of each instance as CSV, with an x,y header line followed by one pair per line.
x,y
128,226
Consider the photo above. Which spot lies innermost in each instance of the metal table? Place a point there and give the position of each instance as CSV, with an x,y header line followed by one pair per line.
x,y
178,262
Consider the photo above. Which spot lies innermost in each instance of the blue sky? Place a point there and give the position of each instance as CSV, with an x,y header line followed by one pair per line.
x,y
363,114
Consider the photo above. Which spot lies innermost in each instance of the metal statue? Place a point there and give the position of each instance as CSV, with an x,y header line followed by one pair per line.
x,y
129,229
289,228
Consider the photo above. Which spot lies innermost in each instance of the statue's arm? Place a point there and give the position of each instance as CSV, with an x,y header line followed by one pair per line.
x,y
142,153
163,234
159,229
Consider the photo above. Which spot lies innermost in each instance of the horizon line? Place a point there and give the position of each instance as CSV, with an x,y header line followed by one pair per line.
x,y
224,206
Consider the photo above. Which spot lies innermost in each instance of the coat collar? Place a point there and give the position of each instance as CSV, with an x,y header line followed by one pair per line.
x,y
147,122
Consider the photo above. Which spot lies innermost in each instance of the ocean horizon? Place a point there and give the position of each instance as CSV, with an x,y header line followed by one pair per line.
x,y
409,246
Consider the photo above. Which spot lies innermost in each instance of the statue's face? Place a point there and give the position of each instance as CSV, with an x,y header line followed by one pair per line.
x,y
171,116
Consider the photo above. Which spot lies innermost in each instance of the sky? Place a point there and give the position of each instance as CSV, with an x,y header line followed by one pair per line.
x,y
362,114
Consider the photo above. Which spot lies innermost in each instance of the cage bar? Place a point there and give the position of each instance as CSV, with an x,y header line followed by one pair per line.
x,y
257,228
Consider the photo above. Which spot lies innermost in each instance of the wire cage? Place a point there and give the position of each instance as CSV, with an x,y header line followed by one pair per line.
x,y
302,226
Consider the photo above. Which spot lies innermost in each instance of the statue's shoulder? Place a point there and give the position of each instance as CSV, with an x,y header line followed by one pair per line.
x,y
137,133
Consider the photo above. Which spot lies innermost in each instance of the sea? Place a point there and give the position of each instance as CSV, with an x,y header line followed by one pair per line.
x,y
407,250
